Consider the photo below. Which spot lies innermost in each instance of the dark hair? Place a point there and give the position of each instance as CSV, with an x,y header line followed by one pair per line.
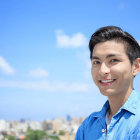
x,y
107,33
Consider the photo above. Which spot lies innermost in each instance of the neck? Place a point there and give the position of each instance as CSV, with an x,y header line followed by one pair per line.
x,y
117,101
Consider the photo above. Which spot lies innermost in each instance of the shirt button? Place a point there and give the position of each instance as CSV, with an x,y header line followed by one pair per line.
x,y
103,130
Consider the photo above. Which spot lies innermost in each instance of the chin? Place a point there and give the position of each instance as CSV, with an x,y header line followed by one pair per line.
x,y
107,92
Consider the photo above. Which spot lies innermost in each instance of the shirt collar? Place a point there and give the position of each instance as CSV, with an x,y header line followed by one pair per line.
x,y
132,102
130,105
103,111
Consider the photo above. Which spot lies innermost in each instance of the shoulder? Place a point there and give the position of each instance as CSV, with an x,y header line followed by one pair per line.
x,y
90,119
85,124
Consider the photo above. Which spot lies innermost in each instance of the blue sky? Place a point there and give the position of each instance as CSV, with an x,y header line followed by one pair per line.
x,y
44,57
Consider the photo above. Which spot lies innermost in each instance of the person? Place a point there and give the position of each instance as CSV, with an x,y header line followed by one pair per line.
x,y
115,58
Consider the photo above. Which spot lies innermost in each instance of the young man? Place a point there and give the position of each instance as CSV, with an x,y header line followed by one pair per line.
x,y
115,57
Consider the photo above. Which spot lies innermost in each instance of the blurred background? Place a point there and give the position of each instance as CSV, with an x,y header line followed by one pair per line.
x,y
44,56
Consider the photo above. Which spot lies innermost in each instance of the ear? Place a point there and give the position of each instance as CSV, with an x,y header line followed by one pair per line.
x,y
136,66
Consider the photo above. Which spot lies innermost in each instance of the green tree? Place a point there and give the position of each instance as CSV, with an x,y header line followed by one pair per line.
x,y
61,132
35,135
52,137
9,137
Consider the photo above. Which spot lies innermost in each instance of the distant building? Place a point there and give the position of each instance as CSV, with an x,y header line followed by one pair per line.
x,y
69,118
65,129
47,125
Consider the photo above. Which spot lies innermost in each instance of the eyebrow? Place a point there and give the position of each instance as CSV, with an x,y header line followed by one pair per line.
x,y
108,56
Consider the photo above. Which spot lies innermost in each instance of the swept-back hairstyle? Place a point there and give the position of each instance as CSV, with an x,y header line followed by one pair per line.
x,y
114,33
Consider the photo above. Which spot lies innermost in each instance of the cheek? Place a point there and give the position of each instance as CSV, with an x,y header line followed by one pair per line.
x,y
123,71
94,75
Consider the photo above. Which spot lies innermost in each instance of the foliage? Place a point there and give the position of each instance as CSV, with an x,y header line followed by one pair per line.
x,y
61,132
9,137
54,132
53,137
35,135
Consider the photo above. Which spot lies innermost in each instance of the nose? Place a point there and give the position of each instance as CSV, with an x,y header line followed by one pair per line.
x,y
104,69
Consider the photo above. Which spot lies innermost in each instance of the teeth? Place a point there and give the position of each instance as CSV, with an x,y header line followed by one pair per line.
x,y
106,81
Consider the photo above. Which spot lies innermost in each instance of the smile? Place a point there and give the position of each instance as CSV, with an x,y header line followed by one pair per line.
x,y
107,82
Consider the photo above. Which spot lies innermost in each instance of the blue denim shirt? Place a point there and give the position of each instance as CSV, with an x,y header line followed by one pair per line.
x,y
124,125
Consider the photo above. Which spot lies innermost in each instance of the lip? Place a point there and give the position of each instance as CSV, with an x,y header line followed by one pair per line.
x,y
106,82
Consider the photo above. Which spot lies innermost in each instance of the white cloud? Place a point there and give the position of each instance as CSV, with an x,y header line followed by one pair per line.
x,y
75,41
5,67
47,86
38,73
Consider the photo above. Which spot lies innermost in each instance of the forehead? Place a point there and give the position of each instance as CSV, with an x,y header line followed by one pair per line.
x,y
109,47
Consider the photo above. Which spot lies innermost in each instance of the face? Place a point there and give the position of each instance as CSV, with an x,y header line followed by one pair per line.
x,y
111,70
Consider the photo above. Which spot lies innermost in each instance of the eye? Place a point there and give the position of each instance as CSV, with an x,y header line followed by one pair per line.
x,y
114,60
95,62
